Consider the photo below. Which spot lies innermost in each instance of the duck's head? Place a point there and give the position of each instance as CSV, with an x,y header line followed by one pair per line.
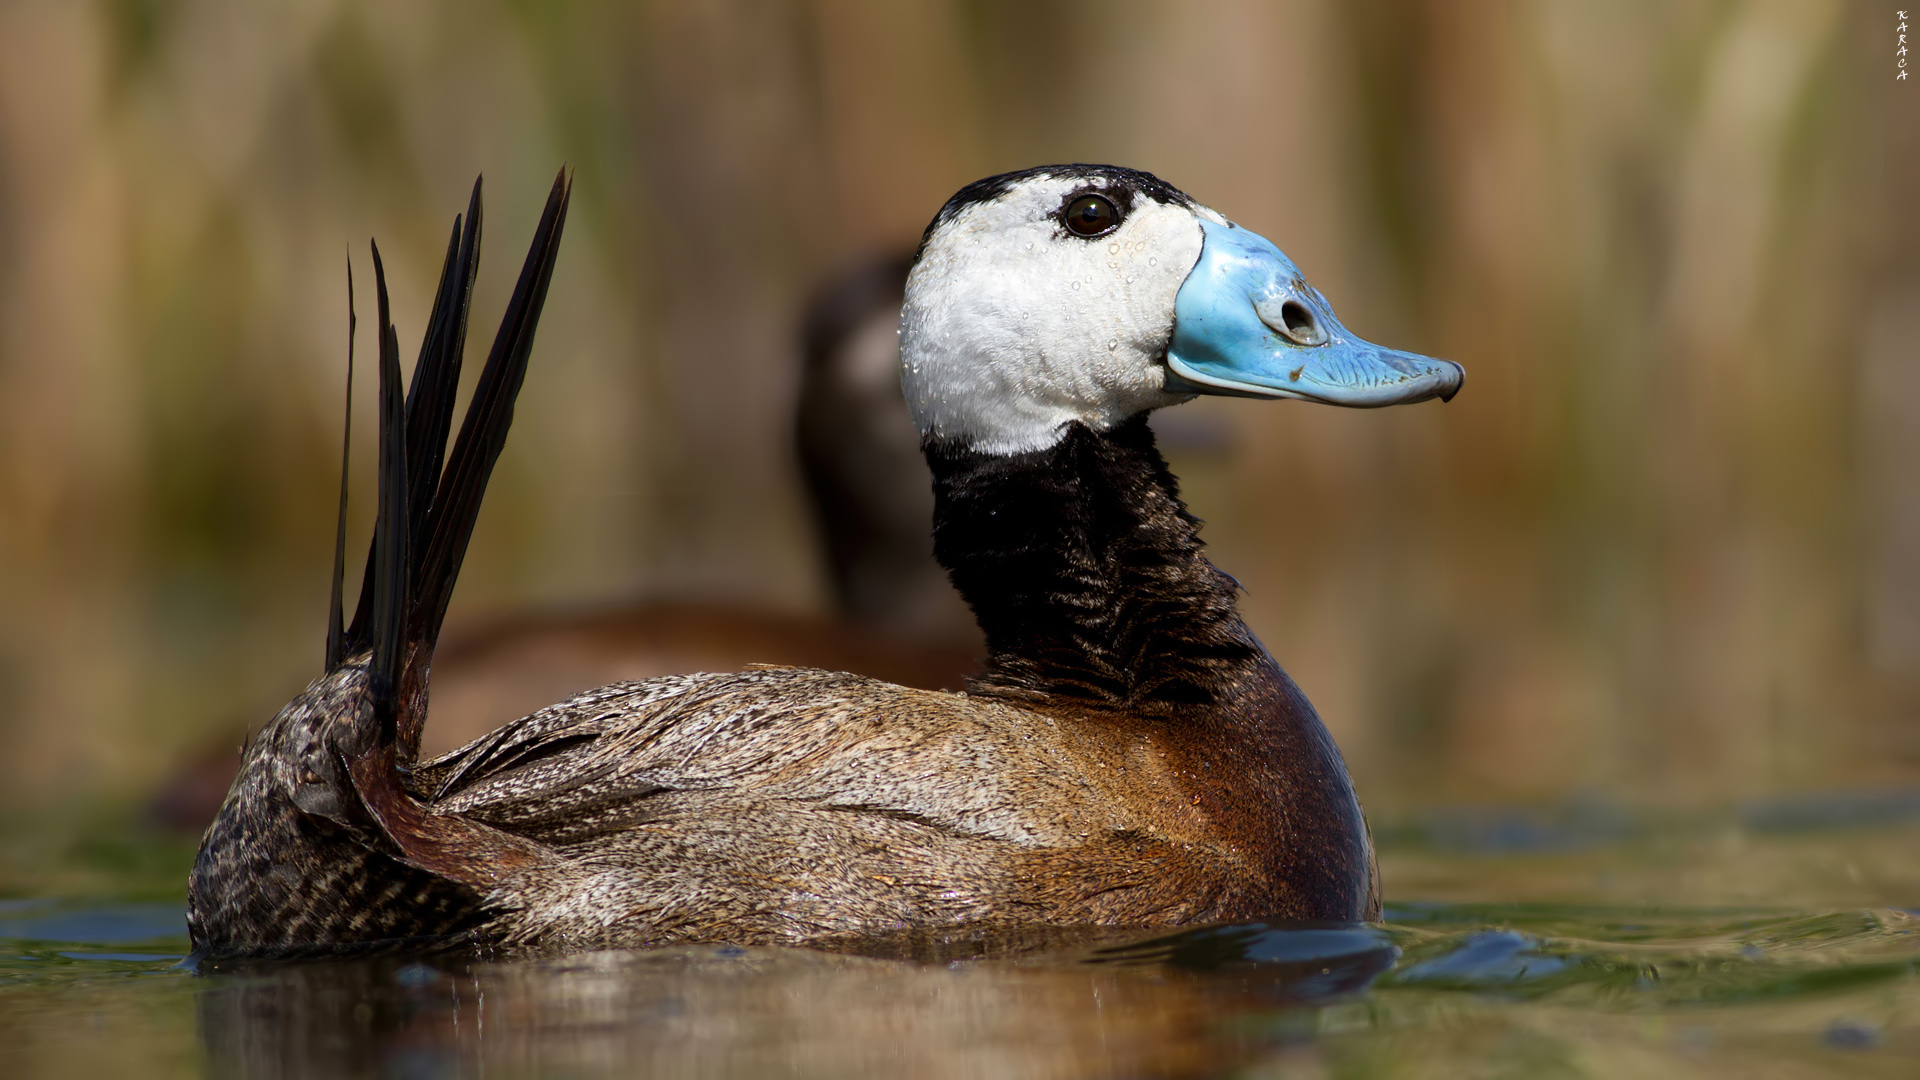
x,y
1092,293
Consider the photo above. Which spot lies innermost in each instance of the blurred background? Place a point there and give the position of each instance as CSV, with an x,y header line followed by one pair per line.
x,y
1664,549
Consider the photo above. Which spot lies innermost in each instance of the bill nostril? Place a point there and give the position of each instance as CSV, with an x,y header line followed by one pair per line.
x,y
1298,323
1292,318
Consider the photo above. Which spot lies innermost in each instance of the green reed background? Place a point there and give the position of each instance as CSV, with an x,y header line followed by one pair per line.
x,y
1662,547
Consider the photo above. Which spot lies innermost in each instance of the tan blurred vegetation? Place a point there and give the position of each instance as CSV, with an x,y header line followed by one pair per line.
x,y
1662,545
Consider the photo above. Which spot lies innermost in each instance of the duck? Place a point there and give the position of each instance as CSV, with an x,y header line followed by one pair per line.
x,y
1129,756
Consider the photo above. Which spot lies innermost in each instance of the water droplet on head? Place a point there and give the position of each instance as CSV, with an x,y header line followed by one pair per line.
x,y
1113,249
1153,261
1112,344
1076,285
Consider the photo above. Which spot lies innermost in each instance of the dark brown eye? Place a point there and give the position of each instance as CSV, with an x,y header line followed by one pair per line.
x,y
1091,215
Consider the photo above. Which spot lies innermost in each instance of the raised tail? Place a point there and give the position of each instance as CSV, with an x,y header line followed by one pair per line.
x,y
426,513
320,845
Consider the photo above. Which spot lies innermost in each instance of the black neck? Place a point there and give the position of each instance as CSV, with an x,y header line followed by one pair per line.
x,y
1084,570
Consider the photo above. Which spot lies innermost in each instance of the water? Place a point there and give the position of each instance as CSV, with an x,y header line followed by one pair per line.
x,y
1580,943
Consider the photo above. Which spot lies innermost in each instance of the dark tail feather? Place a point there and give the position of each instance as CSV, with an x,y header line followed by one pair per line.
x,y
484,431
336,631
426,517
436,375
391,542
430,395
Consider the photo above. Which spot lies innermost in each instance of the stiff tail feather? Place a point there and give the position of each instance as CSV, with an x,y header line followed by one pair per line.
x,y
336,626
426,514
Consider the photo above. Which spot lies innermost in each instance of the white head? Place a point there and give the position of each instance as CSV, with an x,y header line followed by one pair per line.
x,y
1049,296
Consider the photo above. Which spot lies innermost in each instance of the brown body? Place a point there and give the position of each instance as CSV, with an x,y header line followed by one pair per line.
x,y
695,808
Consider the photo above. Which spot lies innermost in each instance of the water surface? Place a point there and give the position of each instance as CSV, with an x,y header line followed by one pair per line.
x,y
1737,946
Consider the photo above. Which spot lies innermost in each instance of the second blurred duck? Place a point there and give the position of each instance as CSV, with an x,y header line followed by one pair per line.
x,y
896,617
860,455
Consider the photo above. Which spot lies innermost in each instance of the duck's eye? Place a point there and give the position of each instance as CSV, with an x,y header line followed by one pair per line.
x,y
1091,215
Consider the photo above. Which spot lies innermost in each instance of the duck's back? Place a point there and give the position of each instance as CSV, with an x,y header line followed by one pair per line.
x,y
790,804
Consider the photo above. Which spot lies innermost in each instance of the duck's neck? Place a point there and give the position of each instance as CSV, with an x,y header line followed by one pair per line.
x,y
1084,570
1085,573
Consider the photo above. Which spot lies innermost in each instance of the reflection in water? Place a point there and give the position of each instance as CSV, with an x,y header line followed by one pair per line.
x,y
1160,1007
1790,951
1537,989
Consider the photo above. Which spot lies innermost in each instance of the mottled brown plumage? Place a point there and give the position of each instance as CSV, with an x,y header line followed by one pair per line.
x,y
1131,756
